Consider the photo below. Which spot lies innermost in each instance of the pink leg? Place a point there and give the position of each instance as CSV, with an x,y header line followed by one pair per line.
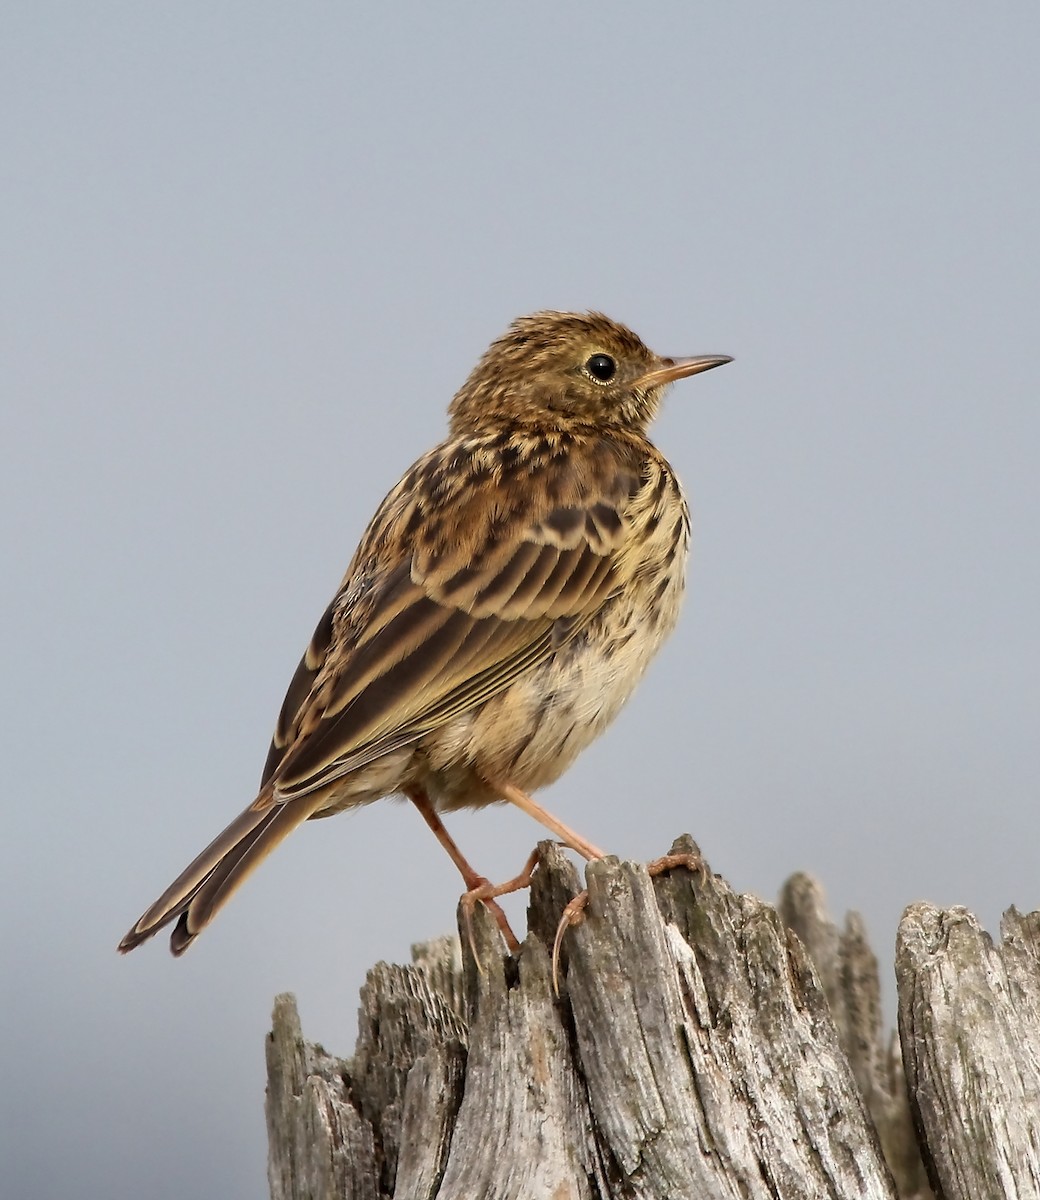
x,y
477,886
533,809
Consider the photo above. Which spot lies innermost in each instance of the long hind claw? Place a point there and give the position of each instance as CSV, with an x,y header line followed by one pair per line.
x,y
573,914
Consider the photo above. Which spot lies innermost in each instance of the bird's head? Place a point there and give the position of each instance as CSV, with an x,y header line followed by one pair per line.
x,y
577,366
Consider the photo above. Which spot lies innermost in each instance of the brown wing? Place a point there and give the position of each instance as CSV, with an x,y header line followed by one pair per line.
x,y
478,565
428,624
299,690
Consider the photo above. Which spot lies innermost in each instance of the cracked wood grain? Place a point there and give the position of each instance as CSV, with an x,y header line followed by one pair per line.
x,y
704,1045
969,1021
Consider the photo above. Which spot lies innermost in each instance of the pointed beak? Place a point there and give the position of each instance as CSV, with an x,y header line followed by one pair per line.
x,y
672,369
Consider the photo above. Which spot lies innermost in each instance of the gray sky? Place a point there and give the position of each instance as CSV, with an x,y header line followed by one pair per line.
x,y
250,251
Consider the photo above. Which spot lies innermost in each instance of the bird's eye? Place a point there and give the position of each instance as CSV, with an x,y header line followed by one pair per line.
x,y
601,367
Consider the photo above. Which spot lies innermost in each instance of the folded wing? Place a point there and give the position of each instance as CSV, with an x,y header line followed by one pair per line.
x,y
457,589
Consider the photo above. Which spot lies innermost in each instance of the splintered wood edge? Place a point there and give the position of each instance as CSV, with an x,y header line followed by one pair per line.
x,y
969,1022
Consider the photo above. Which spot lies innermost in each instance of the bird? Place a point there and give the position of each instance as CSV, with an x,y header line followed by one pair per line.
x,y
501,607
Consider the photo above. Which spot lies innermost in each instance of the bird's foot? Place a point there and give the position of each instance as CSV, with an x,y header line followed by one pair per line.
x,y
668,862
574,913
484,892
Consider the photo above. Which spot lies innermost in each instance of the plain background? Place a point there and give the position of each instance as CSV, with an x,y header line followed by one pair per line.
x,y
250,251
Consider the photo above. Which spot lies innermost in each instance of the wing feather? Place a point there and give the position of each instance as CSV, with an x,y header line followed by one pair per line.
x,y
299,690
425,629
465,580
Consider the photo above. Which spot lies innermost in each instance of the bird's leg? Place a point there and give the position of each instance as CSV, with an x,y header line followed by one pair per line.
x,y
477,886
533,809
486,893
572,913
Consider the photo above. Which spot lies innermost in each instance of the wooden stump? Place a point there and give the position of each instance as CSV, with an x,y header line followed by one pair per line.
x,y
704,1044
969,1023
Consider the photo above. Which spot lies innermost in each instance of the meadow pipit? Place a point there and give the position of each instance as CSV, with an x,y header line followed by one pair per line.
x,y
502,605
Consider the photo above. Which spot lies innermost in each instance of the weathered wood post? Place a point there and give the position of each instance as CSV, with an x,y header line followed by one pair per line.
x,y
704,1044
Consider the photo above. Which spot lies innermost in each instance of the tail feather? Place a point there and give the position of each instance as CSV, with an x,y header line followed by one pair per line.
x,y
234,868
203,887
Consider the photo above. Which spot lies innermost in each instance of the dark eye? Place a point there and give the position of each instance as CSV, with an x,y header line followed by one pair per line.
x,y
601,367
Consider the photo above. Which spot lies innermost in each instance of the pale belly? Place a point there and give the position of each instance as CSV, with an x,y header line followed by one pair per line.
x,y
532,732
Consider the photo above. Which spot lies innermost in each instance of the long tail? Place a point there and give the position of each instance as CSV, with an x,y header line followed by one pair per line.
x,y
203,888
